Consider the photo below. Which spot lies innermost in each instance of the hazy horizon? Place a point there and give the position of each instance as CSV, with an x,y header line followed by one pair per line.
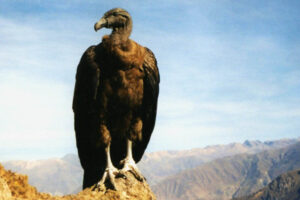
x,y
229,71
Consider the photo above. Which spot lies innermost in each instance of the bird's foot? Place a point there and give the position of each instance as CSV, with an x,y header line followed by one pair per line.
x,y
108,179
130,166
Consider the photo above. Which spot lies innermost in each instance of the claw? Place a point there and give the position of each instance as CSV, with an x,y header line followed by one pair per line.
x,y
130,166
108,180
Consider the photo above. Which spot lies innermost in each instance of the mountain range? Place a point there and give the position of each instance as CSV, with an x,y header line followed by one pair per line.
x,y
213,172
56,176
233,176
157,166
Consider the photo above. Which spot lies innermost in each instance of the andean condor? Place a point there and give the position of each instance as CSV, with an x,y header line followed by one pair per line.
x,y
115,102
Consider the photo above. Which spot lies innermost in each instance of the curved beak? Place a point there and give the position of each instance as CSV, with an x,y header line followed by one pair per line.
x,y
100,24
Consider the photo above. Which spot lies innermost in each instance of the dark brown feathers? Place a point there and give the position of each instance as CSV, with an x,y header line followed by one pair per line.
x,y
115,97
151,91
116,85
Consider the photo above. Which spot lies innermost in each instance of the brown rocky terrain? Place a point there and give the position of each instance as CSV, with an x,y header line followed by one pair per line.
x,y
15,186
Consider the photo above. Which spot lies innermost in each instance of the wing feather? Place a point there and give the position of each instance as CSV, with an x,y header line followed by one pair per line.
x,y
151,91
86,118
87,82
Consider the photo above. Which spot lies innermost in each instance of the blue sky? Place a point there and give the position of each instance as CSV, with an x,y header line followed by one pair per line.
x,y
230,70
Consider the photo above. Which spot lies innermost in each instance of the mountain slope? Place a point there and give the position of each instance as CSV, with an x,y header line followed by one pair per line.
x,y
284,187
64,175
56,176
229,177
167,163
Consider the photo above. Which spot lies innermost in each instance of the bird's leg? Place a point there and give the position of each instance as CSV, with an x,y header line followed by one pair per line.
x,y
129,163
109,173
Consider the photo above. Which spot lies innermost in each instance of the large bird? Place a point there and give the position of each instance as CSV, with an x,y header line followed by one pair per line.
x,y
115,102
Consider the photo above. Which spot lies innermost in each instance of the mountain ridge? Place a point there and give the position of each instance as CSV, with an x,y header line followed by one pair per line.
x,y
64,175
284,187
229,177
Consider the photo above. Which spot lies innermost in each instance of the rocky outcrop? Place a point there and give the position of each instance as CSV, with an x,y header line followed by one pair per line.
x,y
15,186
5,192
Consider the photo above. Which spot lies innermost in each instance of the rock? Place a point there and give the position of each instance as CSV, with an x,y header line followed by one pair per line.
x,y
5,192
15,186
129,188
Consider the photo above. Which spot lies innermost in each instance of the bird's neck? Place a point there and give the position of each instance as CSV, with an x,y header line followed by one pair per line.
x,y
124,51
127,53
120,35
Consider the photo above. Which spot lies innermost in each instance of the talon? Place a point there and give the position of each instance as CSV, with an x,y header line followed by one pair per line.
x,y
132,168
130,165
108,179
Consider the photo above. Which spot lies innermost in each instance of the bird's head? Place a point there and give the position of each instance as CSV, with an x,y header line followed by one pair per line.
x,y
117,19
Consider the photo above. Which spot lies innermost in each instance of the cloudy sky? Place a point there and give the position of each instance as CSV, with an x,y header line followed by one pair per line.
x,y
230,70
